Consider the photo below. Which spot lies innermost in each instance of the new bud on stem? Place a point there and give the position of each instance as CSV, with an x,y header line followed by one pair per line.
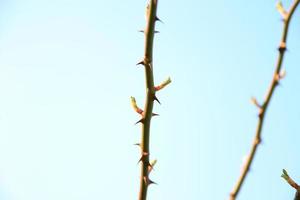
x,y
163,84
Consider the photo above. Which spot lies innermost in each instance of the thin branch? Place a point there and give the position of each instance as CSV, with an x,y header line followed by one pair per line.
x,y
147,62
292,183
263,107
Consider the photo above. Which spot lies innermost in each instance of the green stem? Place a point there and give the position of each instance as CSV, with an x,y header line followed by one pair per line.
x,y
264,106
150,97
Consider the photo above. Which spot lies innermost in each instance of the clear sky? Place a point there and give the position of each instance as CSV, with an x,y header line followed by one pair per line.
x,y
67,71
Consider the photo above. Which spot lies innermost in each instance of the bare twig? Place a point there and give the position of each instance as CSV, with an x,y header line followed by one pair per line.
x,y
292,183
287,15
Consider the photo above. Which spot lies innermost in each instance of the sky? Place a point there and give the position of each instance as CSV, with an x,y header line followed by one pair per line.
x,y
67,71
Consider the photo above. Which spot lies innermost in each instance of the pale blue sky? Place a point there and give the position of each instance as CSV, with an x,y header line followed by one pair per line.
x,y
67,71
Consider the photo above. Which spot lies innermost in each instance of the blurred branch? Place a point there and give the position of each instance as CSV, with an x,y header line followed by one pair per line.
x,y
292,183
277,76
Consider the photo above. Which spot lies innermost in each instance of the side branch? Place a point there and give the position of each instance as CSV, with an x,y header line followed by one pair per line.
x,y
287,15
292,183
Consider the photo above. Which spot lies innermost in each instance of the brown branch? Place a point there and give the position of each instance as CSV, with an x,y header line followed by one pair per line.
x,y
263,107
288,179
292,183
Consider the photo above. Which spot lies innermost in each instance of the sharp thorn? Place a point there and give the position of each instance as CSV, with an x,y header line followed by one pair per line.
x,y
141,63
137,144
140,121
157,19
152,182
141,31
148,181
144,155
156,32
154,114
140,160
156,99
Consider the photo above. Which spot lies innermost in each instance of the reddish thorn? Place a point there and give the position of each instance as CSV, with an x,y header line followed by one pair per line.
x,y
143,157
141,63
148,181
140,121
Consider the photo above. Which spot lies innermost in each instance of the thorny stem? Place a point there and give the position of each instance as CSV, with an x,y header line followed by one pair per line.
x,y
264,106
150,97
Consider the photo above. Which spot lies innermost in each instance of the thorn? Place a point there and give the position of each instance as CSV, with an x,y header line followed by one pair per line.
x,y
152,182
137,144
156,32
148,181
156,99
144,155
141,63
154,114
140,121
157,19
141,31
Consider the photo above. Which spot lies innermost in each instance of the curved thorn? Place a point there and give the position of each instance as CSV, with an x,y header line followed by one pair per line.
x,y
157,19
156,99
140,121
143,157
148,181
141,63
